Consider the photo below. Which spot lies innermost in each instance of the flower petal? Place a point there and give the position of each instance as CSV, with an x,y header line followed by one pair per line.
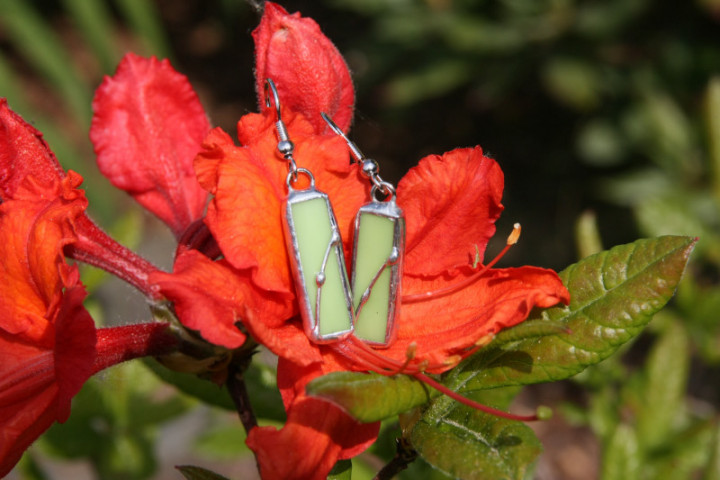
x,y
47,338
325,432
249,184
34,228
207,297
23,152
310,74
148,126
450,324
451,203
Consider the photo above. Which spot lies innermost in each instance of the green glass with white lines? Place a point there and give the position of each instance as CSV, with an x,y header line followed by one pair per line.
x,y
377,271
318,266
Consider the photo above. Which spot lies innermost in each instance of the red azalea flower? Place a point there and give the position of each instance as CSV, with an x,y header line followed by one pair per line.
x,y
147,126
23,154
451,203
310,74
48,342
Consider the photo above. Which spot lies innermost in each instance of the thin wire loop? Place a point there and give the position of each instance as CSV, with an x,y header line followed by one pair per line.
x,y
370,167
285,146
293,177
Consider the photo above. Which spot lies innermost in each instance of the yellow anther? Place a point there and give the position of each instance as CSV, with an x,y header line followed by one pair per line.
x,y
514,235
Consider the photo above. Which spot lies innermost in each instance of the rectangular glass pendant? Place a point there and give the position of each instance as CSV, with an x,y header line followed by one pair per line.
x,y
377,271
318,265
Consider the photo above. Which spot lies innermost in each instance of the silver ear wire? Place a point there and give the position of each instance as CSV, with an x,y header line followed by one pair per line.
x,y
369,166
353,148
285,146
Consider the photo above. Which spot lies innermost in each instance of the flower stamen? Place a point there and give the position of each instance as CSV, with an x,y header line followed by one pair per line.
x,y
419,297
471,403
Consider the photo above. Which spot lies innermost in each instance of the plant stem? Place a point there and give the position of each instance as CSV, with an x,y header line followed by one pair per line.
x,y
238,392
405,456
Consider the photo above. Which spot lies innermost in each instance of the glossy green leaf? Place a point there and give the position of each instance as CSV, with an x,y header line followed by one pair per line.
x,y
371,397
614,295
470,444
198,473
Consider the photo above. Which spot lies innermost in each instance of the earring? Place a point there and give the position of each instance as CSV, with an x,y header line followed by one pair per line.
x,y
315,247
378,249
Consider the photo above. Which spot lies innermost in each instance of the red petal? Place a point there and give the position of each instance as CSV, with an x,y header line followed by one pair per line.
x,y
317,433
23,152
147,128
37,383
207,297
47,338
449,325
451,203
286,341
34,227
310,74
249,184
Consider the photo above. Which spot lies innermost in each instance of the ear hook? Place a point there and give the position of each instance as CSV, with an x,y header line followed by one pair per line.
x,y
269,84
353,148
285,146
369,166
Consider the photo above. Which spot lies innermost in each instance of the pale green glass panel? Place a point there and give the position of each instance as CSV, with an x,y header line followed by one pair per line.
x,y
374,245
334,308
313,232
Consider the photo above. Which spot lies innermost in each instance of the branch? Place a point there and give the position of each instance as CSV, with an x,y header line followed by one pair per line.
x,y
405,456
238,393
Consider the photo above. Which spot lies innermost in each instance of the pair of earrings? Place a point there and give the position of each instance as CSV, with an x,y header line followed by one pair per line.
x,y
331,307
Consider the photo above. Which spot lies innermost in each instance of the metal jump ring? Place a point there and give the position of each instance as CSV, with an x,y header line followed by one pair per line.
x,y
293,176
383,188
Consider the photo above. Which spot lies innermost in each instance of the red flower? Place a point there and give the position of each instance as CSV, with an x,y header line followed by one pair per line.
x,y
47,338
309,72
451,203
147,128
24,154
48,342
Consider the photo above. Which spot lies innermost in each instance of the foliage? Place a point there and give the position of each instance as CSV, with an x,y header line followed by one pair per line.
x,y
611,106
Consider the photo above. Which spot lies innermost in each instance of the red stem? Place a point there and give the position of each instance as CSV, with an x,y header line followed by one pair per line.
x,y
119,344
97,248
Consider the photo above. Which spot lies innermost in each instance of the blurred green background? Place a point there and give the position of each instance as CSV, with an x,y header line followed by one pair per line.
x,y
604,115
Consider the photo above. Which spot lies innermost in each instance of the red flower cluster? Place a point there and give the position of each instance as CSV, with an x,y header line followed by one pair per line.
x,y
153,140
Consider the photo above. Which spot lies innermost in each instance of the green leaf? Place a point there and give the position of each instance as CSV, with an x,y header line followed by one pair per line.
x,y
145,21
470,444
341,471
614,294
587,235
192,385
712,470
32,35
224,442
621,458
371,397
93,19
198,473
712,125
664,387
